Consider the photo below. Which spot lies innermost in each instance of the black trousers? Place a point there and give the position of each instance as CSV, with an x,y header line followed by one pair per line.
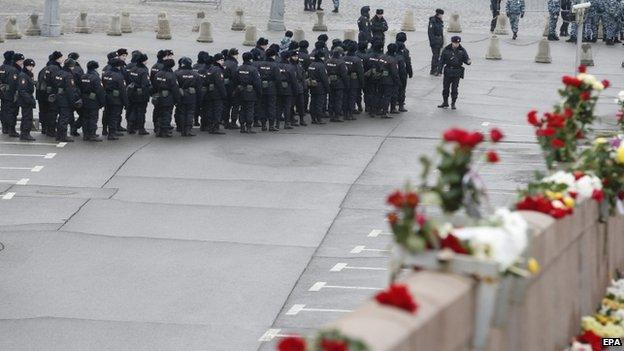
x,y
113,115
164,118
136,116
495,14
563,31
268,108
27,120
89,122
77,124
299,102
247,113
452,84
284,105
44,107
388,96
155,117
52,115
184,115
317,105
231,108
214,113
335,102
401,93
8,113
435,59
65,114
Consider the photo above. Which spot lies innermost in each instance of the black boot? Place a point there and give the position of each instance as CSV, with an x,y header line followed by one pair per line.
x,y
243,129
302,122
142,131
287,125
444,104
552,37
250,129
5,129
264,126
13,133
515,35
453,104
402,108
26,137
335,10
189,131
570,40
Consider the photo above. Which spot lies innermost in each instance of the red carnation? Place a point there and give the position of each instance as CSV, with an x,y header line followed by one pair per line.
x,y
542,204
392,218
585,96
334,345
396,199
454,135
527,203
568,112
572,81
621,195
579,134
496,135
546,132
557,143
421,219
590,338
292,343
398,296
412,199
606,83
471,139
451,242
492,156
532,118
572,194
555,120
558,213
598,195
582,69
578,175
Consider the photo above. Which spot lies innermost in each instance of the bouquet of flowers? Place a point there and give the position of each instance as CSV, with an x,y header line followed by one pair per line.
x,y
397,296
455,186
580,94
557,194
607,322
605,158
328,340
620,113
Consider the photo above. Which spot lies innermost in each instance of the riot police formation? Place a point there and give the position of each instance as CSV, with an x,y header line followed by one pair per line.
x,y
264,91
608,12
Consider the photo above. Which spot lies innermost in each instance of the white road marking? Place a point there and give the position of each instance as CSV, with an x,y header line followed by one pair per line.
x,y
320,285
377,232
485,124
8,196
32,169
272,334
361,248
32,144
22,181
36,169
48,155
296,308
338,267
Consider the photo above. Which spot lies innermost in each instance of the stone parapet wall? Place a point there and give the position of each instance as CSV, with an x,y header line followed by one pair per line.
x,y
578,255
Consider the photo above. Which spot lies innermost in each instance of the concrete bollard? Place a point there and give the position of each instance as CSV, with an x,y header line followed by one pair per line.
x,y
320,25
164,29
454,24
493,52
161,15
81,24
543,52
205,32
239,22
33,25
408,22
115,27
350,34
126,26
298,35
11,30
501,25
201,15
251,36
587,58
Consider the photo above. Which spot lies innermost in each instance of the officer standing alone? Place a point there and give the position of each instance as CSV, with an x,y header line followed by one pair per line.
x,y
451,63
436,40
554,7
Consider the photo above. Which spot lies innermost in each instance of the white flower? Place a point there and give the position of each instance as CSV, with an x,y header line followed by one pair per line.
x,y
586,185
502,244
558,204
560,177
577,346
621,95
598,86
444,230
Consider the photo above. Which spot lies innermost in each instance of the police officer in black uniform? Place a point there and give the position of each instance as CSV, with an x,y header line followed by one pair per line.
x,y
161,56
379,26
9,72
26,99
286,90
338,82
404,73
319,87
67,99
93,99
190,85
116,96
356,81
270,79
390,81
362,53
201,67
364,24
299,98
77,71
167,95
249,86
495,6
216,94
372,73
259,51
231,105
436,40
304,61
45,94
451,63
139,88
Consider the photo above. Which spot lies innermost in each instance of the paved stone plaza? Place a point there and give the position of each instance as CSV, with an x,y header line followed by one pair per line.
x,y
221,242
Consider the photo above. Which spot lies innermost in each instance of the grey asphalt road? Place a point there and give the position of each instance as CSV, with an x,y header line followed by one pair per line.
x,y
230,242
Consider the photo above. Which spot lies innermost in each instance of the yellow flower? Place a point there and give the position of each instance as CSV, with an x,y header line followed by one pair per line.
x,y
600,141
619,155
568,201
553,195
533,266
